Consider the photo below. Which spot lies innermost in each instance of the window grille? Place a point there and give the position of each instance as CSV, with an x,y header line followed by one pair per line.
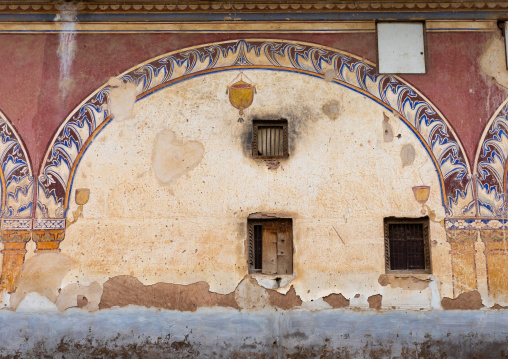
x,y
407,244
270,139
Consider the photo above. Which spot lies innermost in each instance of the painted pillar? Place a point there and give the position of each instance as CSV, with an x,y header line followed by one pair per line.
x,y
496,252
48,240
48,233
13,257
462,242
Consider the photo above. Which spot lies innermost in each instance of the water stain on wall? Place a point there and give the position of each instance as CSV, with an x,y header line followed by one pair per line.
x,y
66,47
331,109
387,129
407,155
173,158
330,75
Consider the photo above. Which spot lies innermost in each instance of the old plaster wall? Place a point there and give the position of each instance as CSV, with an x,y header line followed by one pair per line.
x,y
172,183
152,218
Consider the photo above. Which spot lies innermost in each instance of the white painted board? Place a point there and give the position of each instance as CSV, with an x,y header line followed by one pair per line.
x,y
401,48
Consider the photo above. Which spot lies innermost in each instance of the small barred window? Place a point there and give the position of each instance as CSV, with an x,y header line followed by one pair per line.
x,y
407,245
270,139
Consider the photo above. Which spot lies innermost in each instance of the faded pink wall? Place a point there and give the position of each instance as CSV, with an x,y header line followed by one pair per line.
x,y
30,95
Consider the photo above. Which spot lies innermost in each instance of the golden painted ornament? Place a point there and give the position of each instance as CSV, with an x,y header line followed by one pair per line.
x,y
241,93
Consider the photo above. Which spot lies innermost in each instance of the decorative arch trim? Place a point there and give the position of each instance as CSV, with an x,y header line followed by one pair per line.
x,y
490,167
428,124
16,176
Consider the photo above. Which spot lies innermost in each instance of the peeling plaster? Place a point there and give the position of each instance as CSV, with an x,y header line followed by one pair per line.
x,y
465,301
284,301
33,302
316,304
493,60
274,281
251,296
42,274
122,97
81,296
406,282
126,290
375,301
336,300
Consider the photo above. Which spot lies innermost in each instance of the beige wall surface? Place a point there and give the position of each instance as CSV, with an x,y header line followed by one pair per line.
x,y
172,187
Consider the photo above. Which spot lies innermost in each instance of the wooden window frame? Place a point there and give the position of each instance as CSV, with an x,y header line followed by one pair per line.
x,y
267,123
279,253
424,221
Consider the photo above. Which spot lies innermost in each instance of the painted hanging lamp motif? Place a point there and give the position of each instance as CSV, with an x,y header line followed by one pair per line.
x,y
241,93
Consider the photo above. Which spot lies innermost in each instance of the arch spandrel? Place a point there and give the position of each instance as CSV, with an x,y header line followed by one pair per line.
x,y
423,118
16,176
491,165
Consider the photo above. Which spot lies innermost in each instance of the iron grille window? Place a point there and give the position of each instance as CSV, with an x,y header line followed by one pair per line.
x,y
407,244
270,139
270,246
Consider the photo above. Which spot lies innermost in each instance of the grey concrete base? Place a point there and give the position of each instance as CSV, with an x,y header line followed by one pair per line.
x,y
214,333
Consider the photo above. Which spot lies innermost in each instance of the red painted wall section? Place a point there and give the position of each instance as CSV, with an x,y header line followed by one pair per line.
x,y
33,99
30,94
456,85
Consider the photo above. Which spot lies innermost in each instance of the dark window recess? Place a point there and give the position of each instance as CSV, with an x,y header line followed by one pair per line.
x,y
270,246
270,139
407,244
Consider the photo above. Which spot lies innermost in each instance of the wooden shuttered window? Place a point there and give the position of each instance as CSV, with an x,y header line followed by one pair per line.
x,y
271,246
407,245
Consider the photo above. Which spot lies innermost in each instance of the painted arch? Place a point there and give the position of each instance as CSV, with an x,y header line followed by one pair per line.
x,y
16,179
426,122
490,166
